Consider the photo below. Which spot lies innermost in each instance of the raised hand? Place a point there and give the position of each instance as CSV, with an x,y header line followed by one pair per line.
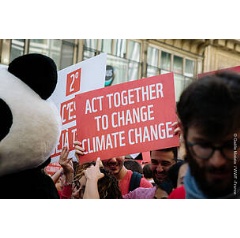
x,y
66,163
93,172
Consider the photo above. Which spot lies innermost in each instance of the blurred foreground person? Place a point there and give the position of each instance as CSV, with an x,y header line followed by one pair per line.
x,y
209,113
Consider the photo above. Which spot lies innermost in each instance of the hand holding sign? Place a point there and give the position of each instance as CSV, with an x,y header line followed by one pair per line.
x,y
79,150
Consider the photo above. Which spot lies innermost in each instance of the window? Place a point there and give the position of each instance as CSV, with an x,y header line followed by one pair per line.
x,y
61,51
17,49
189,68
152,61
51,48
106,46
134,50
179,85
178,64
152,56
90,48
90,44
67,53
120,48
119,67
133,70
165,61
133,54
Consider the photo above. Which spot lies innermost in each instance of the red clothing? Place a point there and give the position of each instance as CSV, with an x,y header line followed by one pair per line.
x,y
125,183
178,193
66,192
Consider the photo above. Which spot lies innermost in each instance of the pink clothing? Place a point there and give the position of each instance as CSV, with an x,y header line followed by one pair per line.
x,y
125,183
141,193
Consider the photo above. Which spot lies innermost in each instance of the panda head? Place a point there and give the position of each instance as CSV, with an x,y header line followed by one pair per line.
x,y
30,124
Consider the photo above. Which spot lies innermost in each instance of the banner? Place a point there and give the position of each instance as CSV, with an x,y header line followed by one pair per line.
x,y
82,77
234,69
52,168
127,118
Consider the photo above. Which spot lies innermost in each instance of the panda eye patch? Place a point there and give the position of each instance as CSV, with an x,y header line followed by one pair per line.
x,y
6,119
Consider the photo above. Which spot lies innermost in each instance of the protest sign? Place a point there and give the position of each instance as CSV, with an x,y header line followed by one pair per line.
x,y
81,77
127,118
234,69
52,168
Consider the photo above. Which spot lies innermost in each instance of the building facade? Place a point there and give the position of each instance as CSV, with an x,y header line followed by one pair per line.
x,y
132,59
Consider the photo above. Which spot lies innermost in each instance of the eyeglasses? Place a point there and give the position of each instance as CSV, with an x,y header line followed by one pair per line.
x,y
206,150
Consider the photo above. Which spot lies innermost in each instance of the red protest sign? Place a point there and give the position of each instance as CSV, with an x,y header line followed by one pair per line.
x,y
127,118
234,69
146,156
52,168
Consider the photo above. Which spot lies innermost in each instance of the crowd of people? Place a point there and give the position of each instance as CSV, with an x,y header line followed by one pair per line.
x,y
206,165
209,126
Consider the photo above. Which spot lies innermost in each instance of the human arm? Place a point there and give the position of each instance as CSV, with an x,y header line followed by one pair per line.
x,y
67,165
57,175
92,175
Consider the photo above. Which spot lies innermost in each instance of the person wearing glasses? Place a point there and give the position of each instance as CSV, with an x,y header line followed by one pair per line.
x,y
209,113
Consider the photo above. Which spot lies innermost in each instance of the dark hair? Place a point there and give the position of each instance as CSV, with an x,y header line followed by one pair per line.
x,y
107,186
173,172
212,104
133,165
147,172
173,149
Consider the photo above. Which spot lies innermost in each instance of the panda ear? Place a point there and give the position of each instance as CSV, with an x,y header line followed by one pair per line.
x,y
38,71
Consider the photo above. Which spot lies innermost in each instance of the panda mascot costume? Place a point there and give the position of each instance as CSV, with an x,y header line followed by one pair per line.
x,y
29,127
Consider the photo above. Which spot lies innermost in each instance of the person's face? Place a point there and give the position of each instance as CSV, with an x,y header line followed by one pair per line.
x,y
161,161
61,182
214,175
114,165
181,174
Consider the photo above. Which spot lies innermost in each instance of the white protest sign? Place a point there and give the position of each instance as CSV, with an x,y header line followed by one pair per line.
x,y
81,77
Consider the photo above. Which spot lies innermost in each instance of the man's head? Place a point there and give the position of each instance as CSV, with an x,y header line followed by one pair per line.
x,y
115,164
209,111
161,161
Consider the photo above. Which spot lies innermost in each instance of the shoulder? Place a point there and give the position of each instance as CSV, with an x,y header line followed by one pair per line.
x,y
127,176
145,183
129,172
